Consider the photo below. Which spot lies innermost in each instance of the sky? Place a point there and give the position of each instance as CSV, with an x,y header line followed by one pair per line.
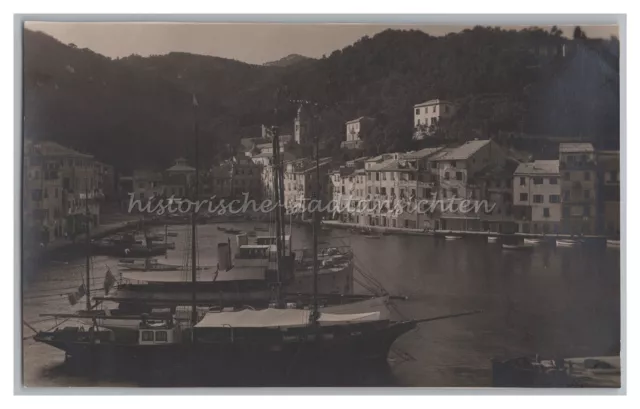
x,y
254,43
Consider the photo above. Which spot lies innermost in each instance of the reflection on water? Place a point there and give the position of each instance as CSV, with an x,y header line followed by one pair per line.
x,y
552,301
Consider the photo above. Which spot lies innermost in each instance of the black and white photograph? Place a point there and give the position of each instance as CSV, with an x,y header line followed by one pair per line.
x,y
295,205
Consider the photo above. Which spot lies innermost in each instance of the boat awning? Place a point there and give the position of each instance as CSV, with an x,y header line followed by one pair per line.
x,y
278,318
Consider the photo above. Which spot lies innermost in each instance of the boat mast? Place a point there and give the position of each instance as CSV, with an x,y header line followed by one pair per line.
x,y
88,243
276,190
316,195
194,313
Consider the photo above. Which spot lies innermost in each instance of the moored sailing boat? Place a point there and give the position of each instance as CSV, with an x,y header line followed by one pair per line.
x,y
274,338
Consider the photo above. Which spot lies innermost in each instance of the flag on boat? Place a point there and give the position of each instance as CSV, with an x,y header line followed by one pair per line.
x,y
81,291
74,297
109,281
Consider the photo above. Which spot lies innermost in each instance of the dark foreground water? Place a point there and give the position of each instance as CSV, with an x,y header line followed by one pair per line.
x,y
552,301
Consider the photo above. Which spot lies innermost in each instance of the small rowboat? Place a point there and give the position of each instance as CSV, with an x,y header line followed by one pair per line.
x,y
566,243
452,237
517,246
613,244
532,241
492,239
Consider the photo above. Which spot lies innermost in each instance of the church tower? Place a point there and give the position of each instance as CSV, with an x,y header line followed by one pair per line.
x,y
301,125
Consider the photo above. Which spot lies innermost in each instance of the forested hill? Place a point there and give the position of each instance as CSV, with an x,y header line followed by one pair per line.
x,y
137,111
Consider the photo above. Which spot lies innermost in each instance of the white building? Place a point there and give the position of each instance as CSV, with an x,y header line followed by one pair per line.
x,y
536,197
428,115
354,132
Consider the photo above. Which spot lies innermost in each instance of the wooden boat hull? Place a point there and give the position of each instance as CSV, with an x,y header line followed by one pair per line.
x,y
566,243
452,237
305,351
517,247
532,242
492,239
613,243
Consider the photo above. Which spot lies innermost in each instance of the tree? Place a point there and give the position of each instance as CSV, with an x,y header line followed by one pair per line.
x,y
578,34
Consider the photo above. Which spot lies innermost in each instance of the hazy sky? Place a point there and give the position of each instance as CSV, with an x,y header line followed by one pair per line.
x,y
249,42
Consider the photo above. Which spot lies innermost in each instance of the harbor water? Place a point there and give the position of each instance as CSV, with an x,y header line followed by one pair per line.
x,y
556,302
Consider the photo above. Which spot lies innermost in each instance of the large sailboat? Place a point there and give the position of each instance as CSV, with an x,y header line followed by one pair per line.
x,y
278,337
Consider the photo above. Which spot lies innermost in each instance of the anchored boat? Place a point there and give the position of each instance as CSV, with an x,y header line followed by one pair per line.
x,y
566,243
520,247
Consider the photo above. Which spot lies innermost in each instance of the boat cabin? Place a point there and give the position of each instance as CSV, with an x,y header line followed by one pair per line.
x,y
159,334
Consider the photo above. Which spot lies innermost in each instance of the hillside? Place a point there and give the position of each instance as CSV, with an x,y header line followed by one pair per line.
x,y
289,60
137,111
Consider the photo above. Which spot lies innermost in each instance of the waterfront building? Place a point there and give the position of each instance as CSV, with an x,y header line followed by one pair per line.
x,y
60,185
234,177
300,182
401,181
456,168
537,197
609,177
579,182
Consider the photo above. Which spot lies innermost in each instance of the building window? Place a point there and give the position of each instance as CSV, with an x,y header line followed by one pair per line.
x,y
586,193
553,181
587,175
392,192
161,336
413,193
434,165
545,212
452,163
454,192
554,198
417,111
522,181
377,176
566,212
524,197
587,210
538,198
434,109
567,176
384,176
614,176
537,180
147,336
383,191
459,175
446,175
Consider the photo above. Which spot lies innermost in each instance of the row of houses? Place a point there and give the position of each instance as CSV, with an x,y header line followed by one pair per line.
x,y
578,193
59,186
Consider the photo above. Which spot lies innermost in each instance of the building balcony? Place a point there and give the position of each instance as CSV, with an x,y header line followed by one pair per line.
x,y
357,144
578,165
